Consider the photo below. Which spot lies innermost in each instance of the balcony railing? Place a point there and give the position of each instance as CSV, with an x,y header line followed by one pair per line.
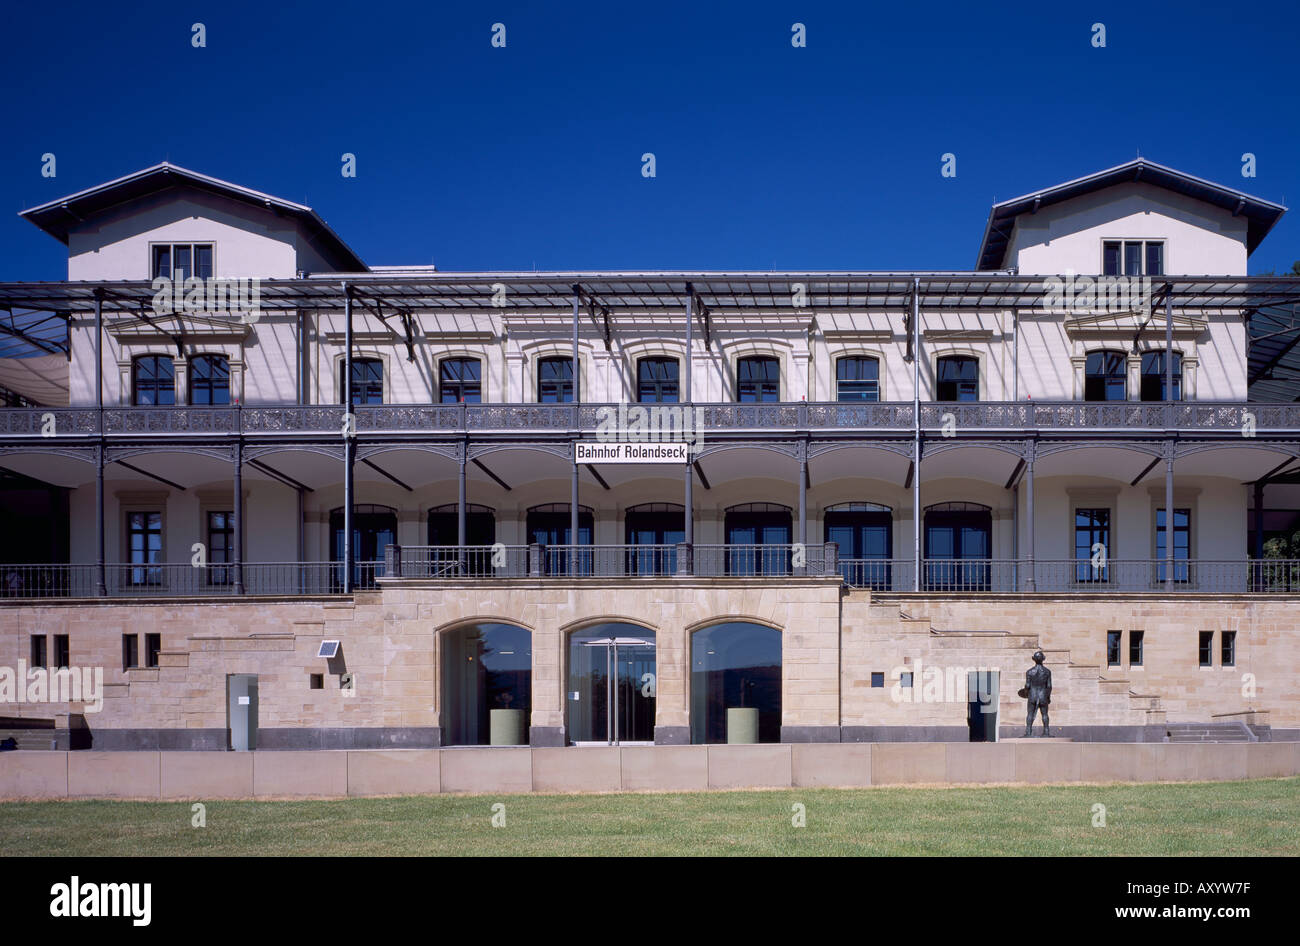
x,y
294,420
183,580
966,576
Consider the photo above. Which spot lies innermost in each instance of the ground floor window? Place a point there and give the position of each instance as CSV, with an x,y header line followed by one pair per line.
x,y
958,542
864,533
736,684
487,685
758,539
612,684
373,528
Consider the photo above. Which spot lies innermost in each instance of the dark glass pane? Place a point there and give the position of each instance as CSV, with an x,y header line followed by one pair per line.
x,y
758,379
958,378
487,681
162,261
657,380
203,260
611,693
857,379
1132,259
1110,259
181,262
459,381
555,380
736,684
1155,259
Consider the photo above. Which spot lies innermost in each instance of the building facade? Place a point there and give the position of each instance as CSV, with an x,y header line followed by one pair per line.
x,y
288,500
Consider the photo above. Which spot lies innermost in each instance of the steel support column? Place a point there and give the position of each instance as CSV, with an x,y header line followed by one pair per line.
x,y
916,434
689,536
803,503
573,522
577,375
1169,515
349,444
237,513
1030,583
1169,356
101,588
460,506
686,361
1259,520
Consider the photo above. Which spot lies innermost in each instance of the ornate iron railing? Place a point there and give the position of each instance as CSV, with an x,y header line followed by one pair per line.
x,y
562,418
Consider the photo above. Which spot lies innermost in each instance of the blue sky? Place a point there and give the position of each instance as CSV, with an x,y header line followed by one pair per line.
x,y
767,156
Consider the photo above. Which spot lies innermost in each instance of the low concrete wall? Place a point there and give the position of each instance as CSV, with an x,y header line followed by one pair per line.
x,y
342,773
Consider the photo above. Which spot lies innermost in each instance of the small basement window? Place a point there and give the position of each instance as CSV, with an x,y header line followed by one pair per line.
x,y
318,681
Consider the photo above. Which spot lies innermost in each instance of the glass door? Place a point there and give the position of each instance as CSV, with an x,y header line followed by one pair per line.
x,y
612,684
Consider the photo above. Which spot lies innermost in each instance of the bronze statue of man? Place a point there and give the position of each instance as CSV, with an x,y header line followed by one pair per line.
x,y
1038,690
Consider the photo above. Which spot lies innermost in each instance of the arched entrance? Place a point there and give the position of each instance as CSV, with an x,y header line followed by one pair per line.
x,y
612,685
487,682
736,683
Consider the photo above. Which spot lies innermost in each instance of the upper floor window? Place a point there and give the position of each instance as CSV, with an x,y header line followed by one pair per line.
x,y
209,379
555,380
958,378
182,260
153,380
1133,258
367,382
656,380
460,381
758,378
1105,377
1153,376
857,378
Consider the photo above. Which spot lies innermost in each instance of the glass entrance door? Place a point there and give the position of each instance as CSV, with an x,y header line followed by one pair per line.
x,y
612,684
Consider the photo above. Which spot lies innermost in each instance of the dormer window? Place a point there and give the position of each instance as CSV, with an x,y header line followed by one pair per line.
x,y
1133,258
179,261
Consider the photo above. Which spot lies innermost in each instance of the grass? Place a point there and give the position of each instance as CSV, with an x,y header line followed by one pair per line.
x,y
1258,817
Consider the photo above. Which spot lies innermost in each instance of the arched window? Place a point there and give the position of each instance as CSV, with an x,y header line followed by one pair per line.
x,y
865,535
1105,376
758,539
1153,376
480,533
153,381
736,684
460,381
958,546
658,527
857,378
611,684
957,378
367,382
373,528
758,378
656,380
209,379
550,525
487,683
555,380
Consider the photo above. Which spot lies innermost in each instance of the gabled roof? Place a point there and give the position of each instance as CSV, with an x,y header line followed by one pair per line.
x,y
58,217
1260,214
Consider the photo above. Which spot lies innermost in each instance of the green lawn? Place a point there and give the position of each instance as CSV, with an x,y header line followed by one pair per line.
x,y
1218,818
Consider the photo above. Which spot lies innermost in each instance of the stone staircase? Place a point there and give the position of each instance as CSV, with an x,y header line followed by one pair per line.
x,y
29,733
1110,700
1210,732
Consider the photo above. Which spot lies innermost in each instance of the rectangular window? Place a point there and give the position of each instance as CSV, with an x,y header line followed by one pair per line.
x,y
38,650
221,544
905,680
877,679
152,644
1205,650
460,381
182,260
130,651
555,380
1182,543
62,652
1133,258
1135,648
1091,529
144,546
1113,648
1228,649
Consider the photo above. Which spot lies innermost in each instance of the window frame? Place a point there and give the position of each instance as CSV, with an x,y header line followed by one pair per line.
x,y
192,245
460,385
1114,649
659,386
562,386
1143,374
1227,648
146,572
1144,245
874,382
1136,648
1106,380
367,384
760,387
156,358
194,383
951,356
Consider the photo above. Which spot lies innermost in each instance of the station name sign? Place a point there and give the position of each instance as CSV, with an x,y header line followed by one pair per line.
x,y
623,452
